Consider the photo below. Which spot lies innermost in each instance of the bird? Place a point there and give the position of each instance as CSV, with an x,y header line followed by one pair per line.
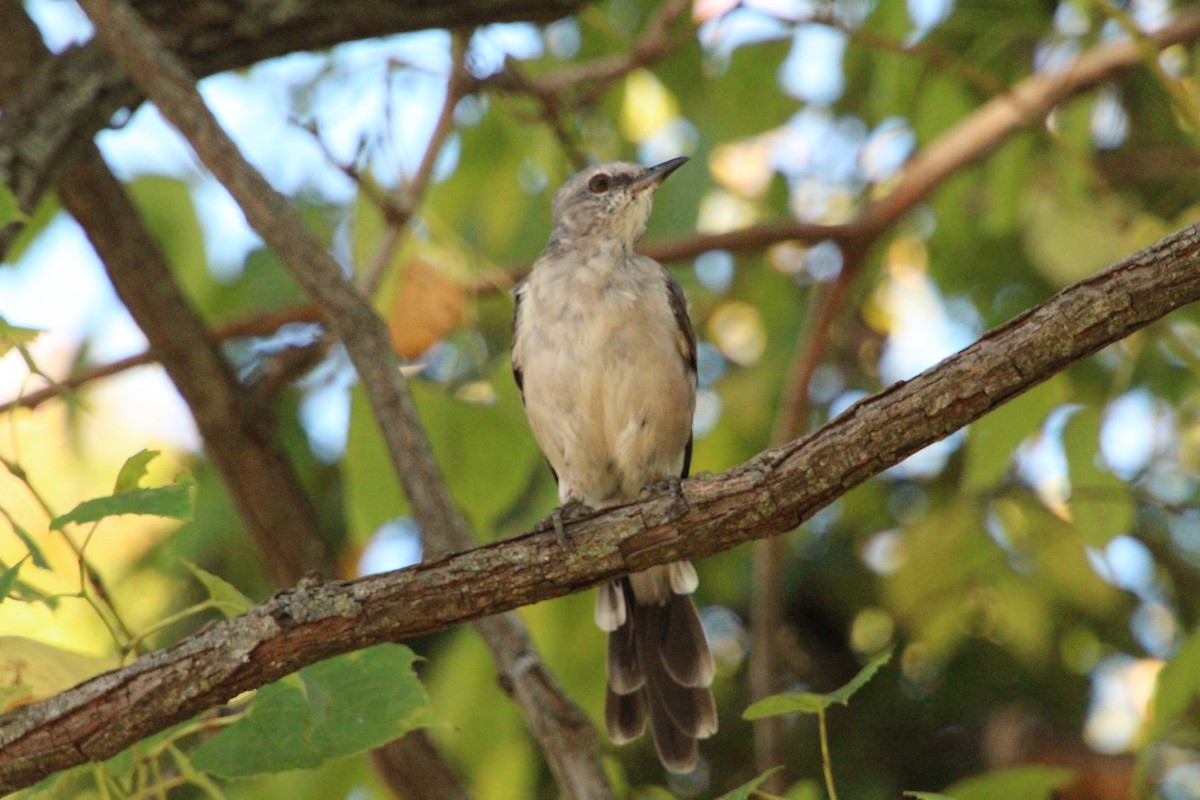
x,y
604,356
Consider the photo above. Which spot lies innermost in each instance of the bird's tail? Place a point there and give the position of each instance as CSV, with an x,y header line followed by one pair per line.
x,y
659,664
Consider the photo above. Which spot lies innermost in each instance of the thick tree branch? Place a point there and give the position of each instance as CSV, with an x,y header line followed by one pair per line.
x,y
770,494
566,737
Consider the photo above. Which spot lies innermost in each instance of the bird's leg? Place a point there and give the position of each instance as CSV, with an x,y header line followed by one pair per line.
x,y
677,498
558,515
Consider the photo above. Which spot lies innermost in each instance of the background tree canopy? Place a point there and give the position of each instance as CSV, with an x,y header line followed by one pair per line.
x,y
872,187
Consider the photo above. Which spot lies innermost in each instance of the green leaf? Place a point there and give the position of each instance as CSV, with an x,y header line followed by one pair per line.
x,y
8,577
133,470
174,501
9,210
35,552
1027,783
928,796
810,702
466,439
744,791
992,440
14,335
1100,503
349,704
229,600
13,696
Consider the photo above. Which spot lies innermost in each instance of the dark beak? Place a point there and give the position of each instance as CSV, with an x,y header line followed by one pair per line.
x,y
655,175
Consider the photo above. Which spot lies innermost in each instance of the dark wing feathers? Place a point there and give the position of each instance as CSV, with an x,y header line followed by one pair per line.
x,y
518,374
687,336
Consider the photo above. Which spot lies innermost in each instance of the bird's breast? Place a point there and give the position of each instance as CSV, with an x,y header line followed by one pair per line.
x,y
608,395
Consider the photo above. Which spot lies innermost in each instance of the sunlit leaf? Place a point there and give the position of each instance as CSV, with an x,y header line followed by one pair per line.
x,y
13,696
747,789
928,796
175,501
44,669
13,335
133,470
810,702
8,577
1027,783
9,210
648,106
35,552
348,704
229,600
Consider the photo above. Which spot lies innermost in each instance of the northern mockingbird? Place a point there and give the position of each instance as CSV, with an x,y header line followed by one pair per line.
x,y
605,358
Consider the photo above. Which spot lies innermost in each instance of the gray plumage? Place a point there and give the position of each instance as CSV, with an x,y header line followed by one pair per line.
x,y
605,357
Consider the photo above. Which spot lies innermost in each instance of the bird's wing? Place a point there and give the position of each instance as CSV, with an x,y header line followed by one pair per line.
x,y
686,342
518,373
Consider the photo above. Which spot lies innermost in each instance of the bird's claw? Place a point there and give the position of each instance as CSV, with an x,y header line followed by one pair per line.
x,y
677,498
558,517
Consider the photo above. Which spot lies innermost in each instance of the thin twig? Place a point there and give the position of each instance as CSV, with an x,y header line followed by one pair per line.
x,y
402,204
265,324
1184,100
826,761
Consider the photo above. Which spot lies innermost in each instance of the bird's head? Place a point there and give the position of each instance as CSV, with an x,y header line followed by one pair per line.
x,y
610,200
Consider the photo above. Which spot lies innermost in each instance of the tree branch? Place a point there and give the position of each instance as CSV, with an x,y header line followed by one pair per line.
x,y
70,99
772,493
238,433
566,737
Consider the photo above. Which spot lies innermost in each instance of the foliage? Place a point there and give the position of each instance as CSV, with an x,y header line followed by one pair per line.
x,y
1034,575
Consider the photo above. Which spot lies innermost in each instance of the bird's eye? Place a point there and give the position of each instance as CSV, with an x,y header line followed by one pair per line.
x,y
599,183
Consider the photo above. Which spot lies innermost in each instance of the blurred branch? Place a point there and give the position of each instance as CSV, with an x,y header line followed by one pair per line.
x,y
566,737
766,610
772,493
1184,101
265,324
72,97
582,85
399,206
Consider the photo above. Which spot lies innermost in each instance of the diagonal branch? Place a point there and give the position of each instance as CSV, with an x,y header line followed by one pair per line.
x,y
567,738
772,493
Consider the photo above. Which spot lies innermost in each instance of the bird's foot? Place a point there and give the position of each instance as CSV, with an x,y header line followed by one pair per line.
x,y
557,517
679,503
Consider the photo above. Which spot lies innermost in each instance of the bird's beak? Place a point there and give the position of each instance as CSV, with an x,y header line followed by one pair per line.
x,y
655,175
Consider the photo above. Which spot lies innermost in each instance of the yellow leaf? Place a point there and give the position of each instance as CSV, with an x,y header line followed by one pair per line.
x,y
31,670
425,307
648,106
743,167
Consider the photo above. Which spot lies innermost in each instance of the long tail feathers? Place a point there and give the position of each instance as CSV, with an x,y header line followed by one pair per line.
x,y
659,671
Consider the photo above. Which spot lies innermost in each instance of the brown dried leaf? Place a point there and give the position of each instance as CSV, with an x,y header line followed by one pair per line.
x,y
425,307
